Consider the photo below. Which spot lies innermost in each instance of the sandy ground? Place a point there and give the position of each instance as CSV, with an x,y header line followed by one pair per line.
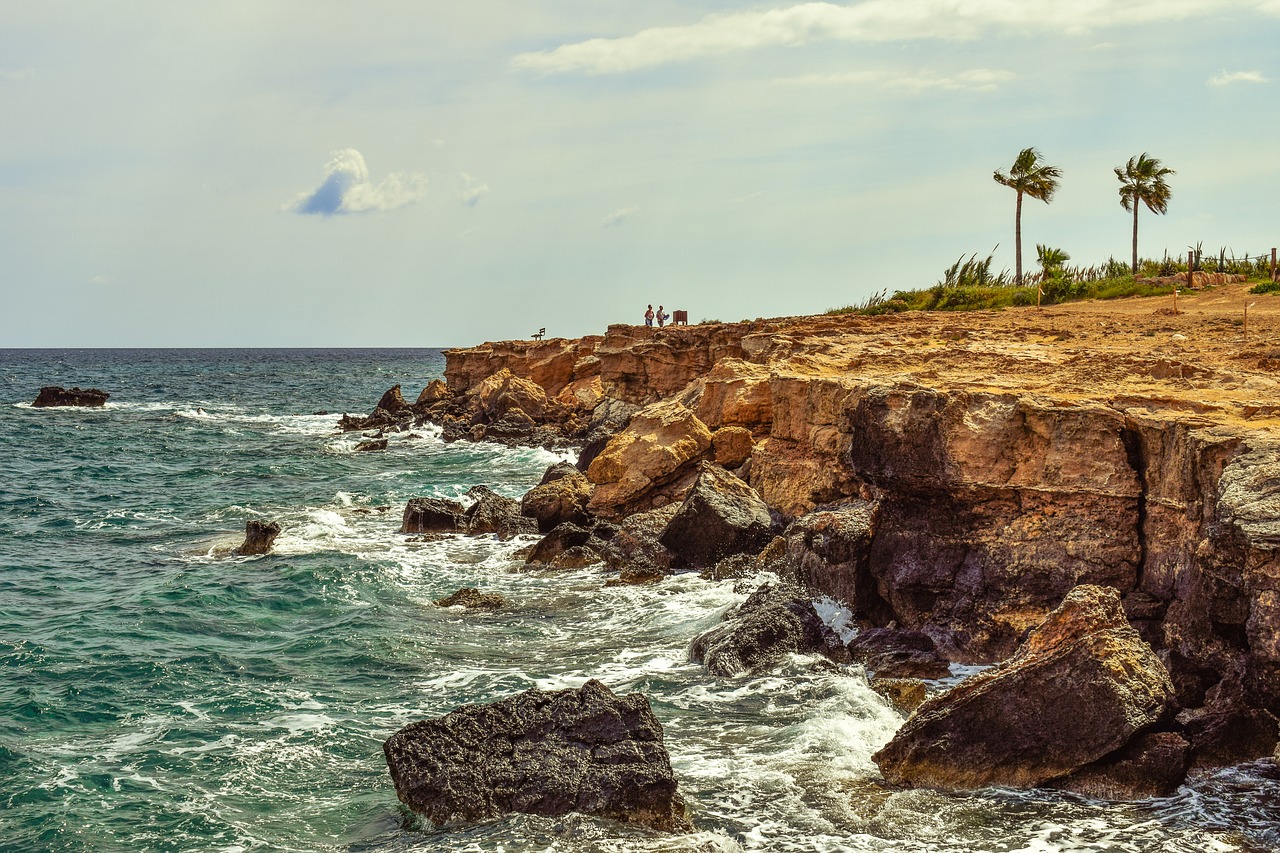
x,y
1128,353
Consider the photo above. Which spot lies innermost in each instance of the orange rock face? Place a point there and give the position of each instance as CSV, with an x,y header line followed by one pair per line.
x,y
662,441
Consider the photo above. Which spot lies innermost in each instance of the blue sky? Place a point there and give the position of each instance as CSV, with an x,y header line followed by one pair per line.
x,y
419,174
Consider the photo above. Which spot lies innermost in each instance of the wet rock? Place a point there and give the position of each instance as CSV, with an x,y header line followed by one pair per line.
x,y
905,694
1228,729
1080,687
368,446
895,653
774,621
635,545
732,445
55,395
661,441
720,516
565,538
540,752
829,549
433,515
493,513
609,417
1151,765
258,537
560,499
394,403
473,599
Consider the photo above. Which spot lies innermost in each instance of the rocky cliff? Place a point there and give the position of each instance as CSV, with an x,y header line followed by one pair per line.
x,y
1005,458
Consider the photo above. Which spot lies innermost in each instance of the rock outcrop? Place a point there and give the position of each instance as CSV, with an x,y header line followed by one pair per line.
x,y
661,442
1080,688
473,599
544,753
721,516
55,395
259,536
774,621
562,497
432,515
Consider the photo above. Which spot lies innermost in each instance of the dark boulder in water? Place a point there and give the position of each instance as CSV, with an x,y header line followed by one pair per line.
x,y
473,599
54,395
546,753
774,621
432,515
1079,689
894,653
258,537
493,513
371,445
720,516
1229,729
561,497
1151,765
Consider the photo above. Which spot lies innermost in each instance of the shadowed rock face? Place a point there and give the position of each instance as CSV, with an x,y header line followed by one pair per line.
x,y
54,395
721,516
545,753
1079,689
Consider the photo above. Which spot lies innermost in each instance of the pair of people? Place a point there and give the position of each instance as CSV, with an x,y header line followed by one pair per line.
x,y
661,316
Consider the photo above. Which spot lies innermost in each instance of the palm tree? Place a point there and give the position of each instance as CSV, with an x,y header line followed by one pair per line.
x,y
1027,177
1142,180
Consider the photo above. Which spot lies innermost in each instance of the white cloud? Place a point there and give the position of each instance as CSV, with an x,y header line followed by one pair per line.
x,y
17,75
471,189
346,188
976,79
100,280
615,219
1226,78
867,21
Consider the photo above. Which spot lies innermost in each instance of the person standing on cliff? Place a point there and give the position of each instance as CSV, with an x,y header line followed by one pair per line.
x,y
662,316
648,316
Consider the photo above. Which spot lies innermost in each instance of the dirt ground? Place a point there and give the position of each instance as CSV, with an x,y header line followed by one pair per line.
x,y
1128,353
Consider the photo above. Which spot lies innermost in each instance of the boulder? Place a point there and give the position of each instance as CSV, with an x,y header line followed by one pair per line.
x,y
905,694
433,515
503,391
1151,765
55,395
560,499
895,653
434,392
393,402
545,753
493,513
774,621
720,516
635,545
563,538
371,445
473,599
258,537
829,549
609,417
1080,687
661,441
732,446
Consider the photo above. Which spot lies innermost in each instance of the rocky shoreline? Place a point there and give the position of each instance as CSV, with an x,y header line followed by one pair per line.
x,y
955,518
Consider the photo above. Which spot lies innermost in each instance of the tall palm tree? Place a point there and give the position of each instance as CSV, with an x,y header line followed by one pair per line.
x,y
1142,180
1027,177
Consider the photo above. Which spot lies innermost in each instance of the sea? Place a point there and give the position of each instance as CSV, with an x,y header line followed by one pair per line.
x,y
158,692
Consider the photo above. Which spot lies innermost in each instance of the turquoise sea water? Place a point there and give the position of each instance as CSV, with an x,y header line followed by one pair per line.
x,y
158,692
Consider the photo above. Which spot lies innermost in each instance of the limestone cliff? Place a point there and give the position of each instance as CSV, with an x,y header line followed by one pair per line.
x,y
1010,456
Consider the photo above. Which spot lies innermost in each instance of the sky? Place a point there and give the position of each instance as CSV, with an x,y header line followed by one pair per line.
x,y
314,173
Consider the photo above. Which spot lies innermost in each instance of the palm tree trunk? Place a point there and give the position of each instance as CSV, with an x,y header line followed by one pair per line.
x,y
1135,238
1017,242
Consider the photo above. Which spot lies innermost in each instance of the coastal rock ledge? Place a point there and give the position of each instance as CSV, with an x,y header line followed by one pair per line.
x,y
545,753
55,395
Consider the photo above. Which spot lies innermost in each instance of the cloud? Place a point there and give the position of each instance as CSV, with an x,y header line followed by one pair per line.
x,y
1225,78
101,280
16,75
346,188
471,190
867,21
615,219
976,80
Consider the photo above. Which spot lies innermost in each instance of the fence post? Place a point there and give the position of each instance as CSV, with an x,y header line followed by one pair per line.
x,y
1189,266
1273,263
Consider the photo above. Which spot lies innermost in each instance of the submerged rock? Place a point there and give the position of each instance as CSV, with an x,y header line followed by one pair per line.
x,y
540,752
473,599
258,537
55,395
1081,686
776,620
371,445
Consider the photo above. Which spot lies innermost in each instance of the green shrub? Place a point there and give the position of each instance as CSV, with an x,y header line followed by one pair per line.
x,y
1266,287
